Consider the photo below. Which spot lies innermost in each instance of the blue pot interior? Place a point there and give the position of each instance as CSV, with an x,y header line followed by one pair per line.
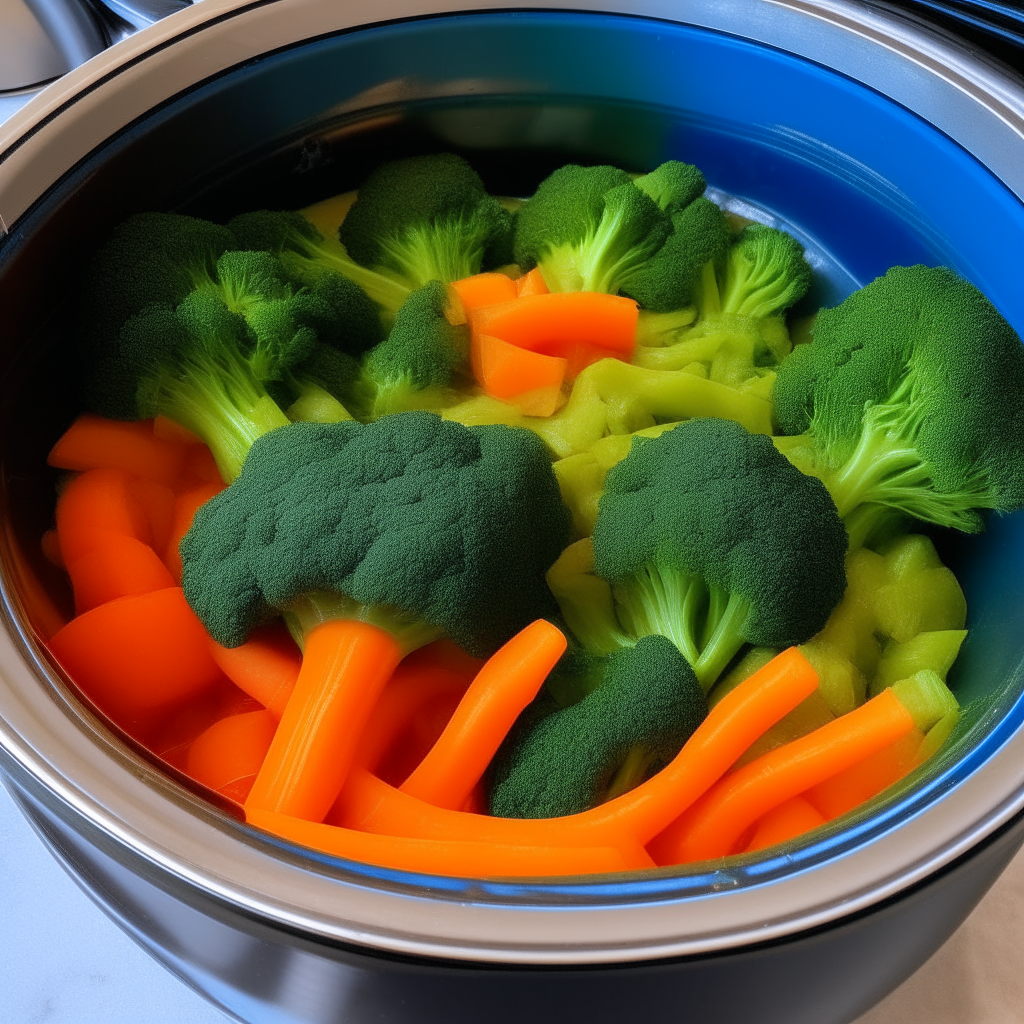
x,y
863,182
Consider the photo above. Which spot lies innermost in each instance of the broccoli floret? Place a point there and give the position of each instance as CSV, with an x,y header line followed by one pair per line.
x,y
670,280
233,328
416,525
596,229
426,218
151,257
741,336
673,185
707,535
415,366
765,273
589,229
648,704
910,393
308,257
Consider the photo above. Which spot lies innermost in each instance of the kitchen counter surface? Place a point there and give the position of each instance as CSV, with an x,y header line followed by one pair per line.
x,y
63,962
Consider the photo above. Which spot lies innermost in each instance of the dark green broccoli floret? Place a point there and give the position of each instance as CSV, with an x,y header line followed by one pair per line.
x,y
910,391
196,364
151,257
308,257
589,229
668,282
426,218
709,536
417,525
414,367
231,326
647,706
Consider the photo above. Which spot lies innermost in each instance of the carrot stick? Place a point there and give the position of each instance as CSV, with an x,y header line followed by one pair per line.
x,y
504,686
483,290
557,322
445,857
97,503
186,505
752,791
231,751
137,655
858,784
92,442
787,821
532,283
116,567
265,666
417,688
731,726
345,666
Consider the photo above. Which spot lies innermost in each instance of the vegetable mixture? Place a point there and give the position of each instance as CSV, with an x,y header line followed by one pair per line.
x,y
486,537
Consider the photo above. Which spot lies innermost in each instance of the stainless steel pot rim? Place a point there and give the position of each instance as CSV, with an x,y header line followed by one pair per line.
x,y
193,847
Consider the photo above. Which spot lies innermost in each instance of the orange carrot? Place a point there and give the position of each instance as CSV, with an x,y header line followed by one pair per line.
x,y
633,818
787,821
752,791
165,429
504,686
186,505
227,756
137,655
505,371
558,322
532,283
483,290
345,666
425,689
157,502
265,666
444,857
858,784
97,503
200,468
116,567
175,731
92,442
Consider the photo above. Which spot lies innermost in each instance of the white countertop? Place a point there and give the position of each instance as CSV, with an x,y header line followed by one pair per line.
x,y
63,962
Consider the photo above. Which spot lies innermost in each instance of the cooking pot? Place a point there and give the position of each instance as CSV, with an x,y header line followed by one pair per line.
x,y
876,140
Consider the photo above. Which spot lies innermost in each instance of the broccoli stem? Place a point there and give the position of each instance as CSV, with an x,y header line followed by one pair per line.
x,y
222,403
316,607
668,604
887,469
724,644
387,291
633,770
440,253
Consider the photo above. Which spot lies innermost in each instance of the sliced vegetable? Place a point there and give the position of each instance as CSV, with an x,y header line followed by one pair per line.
x,y
92,442
116,566
227,756
749,793
137,655
501,690
265,666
